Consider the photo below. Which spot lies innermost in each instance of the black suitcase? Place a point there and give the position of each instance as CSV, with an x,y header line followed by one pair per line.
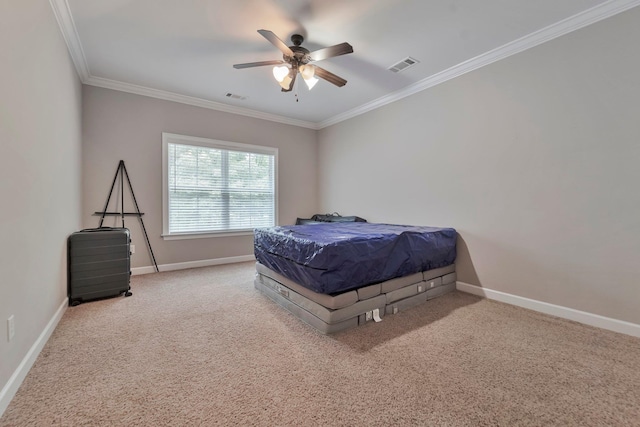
x,y
98,264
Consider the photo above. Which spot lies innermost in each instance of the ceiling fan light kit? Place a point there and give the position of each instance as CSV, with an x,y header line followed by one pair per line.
x,y
296,59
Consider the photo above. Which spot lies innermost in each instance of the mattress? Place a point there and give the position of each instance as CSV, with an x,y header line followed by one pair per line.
x,y
331,258
334,313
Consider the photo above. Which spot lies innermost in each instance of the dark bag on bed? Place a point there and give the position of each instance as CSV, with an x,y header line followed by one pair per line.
x,y
302,221
336,217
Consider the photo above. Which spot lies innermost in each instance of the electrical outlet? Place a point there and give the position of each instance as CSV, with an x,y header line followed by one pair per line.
x,y
368,316
11,328
133,249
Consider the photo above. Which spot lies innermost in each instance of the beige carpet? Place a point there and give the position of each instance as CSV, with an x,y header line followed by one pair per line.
x,y
203,347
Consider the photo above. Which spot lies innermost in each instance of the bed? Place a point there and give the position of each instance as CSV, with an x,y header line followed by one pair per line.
x,y
335,276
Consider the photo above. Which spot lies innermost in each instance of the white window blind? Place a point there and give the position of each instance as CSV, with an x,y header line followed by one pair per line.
x,y
217,186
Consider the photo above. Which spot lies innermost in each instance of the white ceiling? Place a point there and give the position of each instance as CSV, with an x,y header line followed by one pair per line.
x,y
184,50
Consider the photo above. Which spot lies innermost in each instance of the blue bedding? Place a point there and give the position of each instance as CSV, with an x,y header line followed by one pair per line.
x,y
330,258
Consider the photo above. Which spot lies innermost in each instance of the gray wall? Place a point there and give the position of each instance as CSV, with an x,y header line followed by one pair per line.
x,y
533,159
118,125
40,118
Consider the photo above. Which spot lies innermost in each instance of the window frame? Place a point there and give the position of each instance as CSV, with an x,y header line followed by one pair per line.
x,y
172,138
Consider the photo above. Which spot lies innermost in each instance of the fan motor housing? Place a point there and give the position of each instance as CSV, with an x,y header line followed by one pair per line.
x,y
300,54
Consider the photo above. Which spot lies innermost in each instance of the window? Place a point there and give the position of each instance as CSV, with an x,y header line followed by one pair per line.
x,y
212,187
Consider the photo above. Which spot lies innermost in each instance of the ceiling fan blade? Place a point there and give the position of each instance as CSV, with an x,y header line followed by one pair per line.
x,y
257,64
330,77
331,51
274,40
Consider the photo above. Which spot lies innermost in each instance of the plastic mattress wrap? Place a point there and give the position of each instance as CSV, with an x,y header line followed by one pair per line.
x,y
334,257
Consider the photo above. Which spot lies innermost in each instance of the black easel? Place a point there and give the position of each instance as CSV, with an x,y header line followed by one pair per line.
x,y
122,171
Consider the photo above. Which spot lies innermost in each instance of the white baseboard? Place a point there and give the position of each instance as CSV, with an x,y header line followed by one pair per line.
x,y
11,387
554,310
192,264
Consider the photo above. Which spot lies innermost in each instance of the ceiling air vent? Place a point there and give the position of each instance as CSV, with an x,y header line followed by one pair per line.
x,y
234,96
404,64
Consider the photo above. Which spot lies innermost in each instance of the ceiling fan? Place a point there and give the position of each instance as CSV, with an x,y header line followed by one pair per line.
x,y
296,59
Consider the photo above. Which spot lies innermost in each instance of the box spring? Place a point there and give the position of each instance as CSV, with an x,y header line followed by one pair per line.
x,y
334,313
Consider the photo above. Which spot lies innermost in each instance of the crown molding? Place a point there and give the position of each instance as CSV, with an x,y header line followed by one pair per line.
x,y
580,20
70,34
190,100
573,23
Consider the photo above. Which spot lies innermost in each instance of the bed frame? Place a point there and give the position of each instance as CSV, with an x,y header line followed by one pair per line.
x,y
334,313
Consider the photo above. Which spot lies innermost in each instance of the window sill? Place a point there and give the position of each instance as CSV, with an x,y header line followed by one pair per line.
x,y
207,235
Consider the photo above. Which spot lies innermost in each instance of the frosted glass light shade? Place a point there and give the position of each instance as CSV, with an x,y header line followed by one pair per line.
x,y
280,72
311,82
307,71
286,82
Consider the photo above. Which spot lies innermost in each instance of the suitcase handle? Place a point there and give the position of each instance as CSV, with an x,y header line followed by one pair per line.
x,y
103,229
